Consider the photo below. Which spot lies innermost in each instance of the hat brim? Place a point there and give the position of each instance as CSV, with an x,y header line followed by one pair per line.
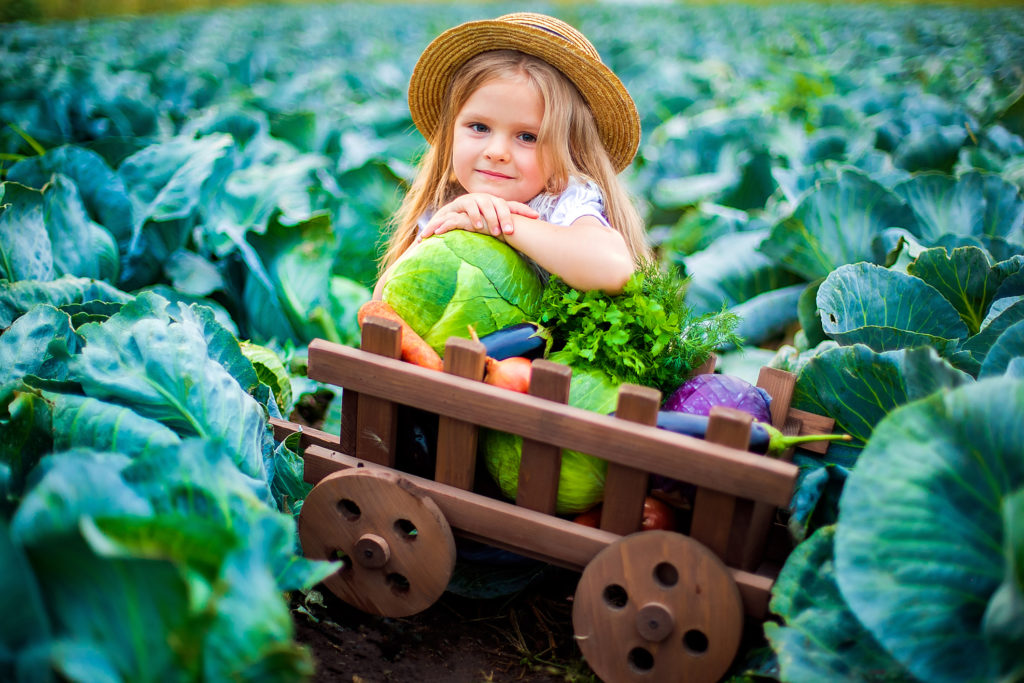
x,y
614,111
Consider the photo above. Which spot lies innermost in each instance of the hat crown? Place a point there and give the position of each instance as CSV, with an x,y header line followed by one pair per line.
x,y
556,27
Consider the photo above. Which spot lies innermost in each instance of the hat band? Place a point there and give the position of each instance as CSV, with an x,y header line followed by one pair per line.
x,y
549,30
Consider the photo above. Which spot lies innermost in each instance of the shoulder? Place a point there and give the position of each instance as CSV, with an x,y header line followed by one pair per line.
x,y
581,197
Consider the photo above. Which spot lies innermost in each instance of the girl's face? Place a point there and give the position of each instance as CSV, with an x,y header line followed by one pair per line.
x,y
494,148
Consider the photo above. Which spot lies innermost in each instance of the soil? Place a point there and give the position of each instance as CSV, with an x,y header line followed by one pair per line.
x,y
525,636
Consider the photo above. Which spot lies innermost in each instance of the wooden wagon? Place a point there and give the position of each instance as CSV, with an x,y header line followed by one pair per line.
x,y
650,605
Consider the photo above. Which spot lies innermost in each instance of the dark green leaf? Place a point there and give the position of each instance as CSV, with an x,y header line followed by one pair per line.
x,y
73,294
80,246
887,310
965,278
101,190
858,387
39,343
168,370
835,223
1007,350
820,638
768,315
164,180
80,422
920,541
732,270
1003,624
807,313
25,249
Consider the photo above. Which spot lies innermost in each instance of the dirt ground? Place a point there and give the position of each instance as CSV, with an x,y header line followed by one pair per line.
x,y
523,637
526,636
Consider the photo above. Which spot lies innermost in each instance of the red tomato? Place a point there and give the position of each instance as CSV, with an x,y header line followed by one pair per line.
x,y
591,517
656,515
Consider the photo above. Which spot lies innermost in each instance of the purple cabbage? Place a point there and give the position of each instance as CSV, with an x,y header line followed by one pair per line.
x,y
699,394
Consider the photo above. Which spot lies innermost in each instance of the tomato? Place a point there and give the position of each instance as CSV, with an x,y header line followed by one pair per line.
x,y
591,517
656,515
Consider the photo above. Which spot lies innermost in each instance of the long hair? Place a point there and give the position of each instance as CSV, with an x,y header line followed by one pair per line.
x,y
568,145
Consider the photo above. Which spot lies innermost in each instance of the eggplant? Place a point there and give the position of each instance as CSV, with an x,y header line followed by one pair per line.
x,y
764,438
527,340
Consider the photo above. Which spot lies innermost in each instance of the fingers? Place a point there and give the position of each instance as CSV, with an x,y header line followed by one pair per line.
x,y
477,212
523,209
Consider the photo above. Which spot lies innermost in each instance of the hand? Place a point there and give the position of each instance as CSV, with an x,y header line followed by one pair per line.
x,y
477,212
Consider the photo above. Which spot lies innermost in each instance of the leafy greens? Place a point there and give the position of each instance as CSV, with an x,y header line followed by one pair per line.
x,y
645,335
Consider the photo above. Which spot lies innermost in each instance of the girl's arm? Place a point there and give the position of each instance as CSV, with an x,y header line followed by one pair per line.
x,y
586,254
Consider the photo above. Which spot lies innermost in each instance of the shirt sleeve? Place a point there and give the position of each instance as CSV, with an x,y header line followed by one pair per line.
x,y
579,199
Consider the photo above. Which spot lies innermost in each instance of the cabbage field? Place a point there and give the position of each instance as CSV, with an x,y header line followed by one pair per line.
x,y
188,200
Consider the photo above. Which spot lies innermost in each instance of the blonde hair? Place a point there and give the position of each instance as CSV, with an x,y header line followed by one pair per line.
x,y
568,145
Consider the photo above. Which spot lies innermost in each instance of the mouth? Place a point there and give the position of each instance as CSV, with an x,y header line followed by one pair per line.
x,y
493,174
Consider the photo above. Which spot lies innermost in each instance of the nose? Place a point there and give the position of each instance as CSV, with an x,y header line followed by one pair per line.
x,y
497,148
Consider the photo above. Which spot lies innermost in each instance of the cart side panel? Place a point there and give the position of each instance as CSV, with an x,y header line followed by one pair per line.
x,y
700,462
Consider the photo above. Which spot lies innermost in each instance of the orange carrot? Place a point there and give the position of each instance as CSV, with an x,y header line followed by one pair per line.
x,y
414,349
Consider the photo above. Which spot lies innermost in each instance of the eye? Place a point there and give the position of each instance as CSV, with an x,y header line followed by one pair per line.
x,y
528,137
477,127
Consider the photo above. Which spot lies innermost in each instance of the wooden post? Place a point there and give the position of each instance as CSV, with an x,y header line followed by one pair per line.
x,y
751,530
541,463
456,439
625,487
713,510
376,418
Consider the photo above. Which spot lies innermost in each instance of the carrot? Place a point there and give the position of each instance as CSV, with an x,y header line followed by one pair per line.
x,y
414,349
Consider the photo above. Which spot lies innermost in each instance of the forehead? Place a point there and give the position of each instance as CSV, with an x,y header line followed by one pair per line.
x,y
509,95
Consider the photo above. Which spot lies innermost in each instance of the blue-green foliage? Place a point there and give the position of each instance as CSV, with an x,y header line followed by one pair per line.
x,y
174,183
148,529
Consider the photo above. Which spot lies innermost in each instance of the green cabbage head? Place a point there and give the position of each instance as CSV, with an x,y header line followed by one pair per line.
x,y
462,278
581,480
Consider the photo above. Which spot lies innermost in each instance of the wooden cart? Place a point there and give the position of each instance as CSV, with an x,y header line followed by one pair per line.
x,y
649,606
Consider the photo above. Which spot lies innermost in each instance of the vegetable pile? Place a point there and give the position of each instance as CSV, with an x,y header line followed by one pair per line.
x,y
184,207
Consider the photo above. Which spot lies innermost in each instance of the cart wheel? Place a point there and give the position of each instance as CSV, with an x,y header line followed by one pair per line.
x,y
396,546
657,606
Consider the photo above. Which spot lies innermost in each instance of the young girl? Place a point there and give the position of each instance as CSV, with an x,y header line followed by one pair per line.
x,y
528,131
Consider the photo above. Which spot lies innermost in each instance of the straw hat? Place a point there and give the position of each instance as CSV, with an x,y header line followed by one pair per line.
x,y
550,39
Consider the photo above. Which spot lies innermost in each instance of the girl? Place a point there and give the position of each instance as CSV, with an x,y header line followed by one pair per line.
x,y
528,131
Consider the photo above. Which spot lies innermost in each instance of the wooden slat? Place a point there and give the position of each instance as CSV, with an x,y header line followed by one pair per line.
x,y
541,463
377,418
779,384
713,510
812,423
625,487
527,532
729,470
349,418
309,436
747,547
456,439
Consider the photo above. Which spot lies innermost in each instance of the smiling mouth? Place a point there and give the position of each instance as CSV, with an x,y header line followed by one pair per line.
x,y
494,174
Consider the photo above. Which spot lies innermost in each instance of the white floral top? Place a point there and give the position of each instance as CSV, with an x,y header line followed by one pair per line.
x,y
580,198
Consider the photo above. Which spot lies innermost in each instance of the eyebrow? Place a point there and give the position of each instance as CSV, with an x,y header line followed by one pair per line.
x,y
469,115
